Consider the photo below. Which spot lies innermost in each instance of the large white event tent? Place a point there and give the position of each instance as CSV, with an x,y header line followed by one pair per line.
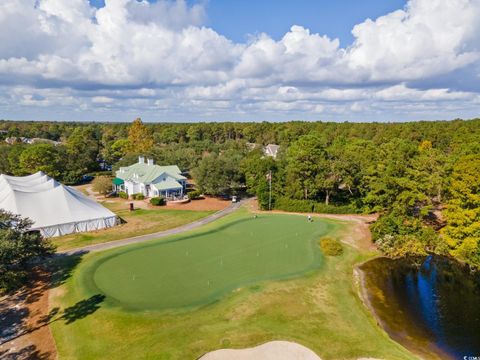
x,y
54,208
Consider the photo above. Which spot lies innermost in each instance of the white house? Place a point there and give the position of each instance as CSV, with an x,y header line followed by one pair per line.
x,y
271,150
150,180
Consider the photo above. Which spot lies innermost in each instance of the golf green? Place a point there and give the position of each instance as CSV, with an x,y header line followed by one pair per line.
x,y
199,267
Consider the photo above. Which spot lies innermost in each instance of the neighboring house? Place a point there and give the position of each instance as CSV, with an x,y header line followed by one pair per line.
x,y
150,180
11,140
25,140
271,150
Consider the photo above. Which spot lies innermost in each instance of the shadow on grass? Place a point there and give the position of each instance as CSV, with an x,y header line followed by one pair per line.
x,y
82,309
61,267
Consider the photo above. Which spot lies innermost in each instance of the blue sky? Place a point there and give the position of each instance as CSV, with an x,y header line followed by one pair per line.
x,y
238,19
214,60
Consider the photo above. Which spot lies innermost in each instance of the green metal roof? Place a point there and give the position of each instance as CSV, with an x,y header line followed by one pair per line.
x,y
117,181
145,173
168,184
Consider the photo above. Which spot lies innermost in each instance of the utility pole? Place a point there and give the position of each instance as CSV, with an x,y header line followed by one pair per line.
x,y
270,192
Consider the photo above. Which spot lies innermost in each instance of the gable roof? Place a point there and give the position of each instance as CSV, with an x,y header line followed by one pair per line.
x,y
272,149
168,184
146,174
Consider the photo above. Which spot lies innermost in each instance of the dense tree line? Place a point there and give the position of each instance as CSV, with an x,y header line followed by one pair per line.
x,y
421,177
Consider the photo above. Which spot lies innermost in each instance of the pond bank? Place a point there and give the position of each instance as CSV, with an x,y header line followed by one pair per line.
x,y
429,305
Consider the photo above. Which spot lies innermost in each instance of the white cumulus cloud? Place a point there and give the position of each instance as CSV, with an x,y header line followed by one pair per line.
x,y
161,61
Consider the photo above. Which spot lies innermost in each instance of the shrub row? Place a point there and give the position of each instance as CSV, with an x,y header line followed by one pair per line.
x,y
313,207
123,195
138,196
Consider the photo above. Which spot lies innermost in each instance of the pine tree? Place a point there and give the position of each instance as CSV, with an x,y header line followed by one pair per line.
x,y
139,137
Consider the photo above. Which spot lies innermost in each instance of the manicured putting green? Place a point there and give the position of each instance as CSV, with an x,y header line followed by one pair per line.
x,y
199,268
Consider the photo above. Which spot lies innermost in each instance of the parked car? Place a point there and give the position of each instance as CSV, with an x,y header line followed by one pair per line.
x,y
87,178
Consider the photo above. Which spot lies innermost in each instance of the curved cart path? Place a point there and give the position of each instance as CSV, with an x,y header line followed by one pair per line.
x,y
138,239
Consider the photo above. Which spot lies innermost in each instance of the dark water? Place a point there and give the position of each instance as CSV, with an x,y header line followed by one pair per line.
x,y
430,305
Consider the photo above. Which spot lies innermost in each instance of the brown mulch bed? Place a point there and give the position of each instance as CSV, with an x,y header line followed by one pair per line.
x,y
24,331
204,204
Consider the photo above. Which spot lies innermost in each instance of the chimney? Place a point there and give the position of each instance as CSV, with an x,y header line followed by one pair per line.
x,y
149,161
141,160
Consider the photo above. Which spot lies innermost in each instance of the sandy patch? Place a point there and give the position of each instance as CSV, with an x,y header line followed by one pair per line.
x,y
274,350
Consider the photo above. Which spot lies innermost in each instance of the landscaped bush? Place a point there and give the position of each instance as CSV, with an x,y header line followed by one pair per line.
x,y
102,185
194,195
138,196
331,247
313,207
123,195
158,201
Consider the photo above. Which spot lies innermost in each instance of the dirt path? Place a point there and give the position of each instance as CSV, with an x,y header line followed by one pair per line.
x,y
24,333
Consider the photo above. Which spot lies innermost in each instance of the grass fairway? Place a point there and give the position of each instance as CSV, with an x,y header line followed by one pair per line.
x,y
289,292
138,222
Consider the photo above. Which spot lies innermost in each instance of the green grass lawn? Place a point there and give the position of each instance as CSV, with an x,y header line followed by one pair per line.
x,y
138,222
259,280
197,269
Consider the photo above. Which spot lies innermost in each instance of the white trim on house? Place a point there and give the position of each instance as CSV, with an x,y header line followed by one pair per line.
x,y
151,180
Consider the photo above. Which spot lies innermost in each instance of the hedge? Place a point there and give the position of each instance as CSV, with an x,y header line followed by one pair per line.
x,y
158,201
138,196
123,195
194,195
310,206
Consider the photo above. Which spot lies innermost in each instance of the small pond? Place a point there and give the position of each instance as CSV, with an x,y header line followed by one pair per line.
x,y
430,305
